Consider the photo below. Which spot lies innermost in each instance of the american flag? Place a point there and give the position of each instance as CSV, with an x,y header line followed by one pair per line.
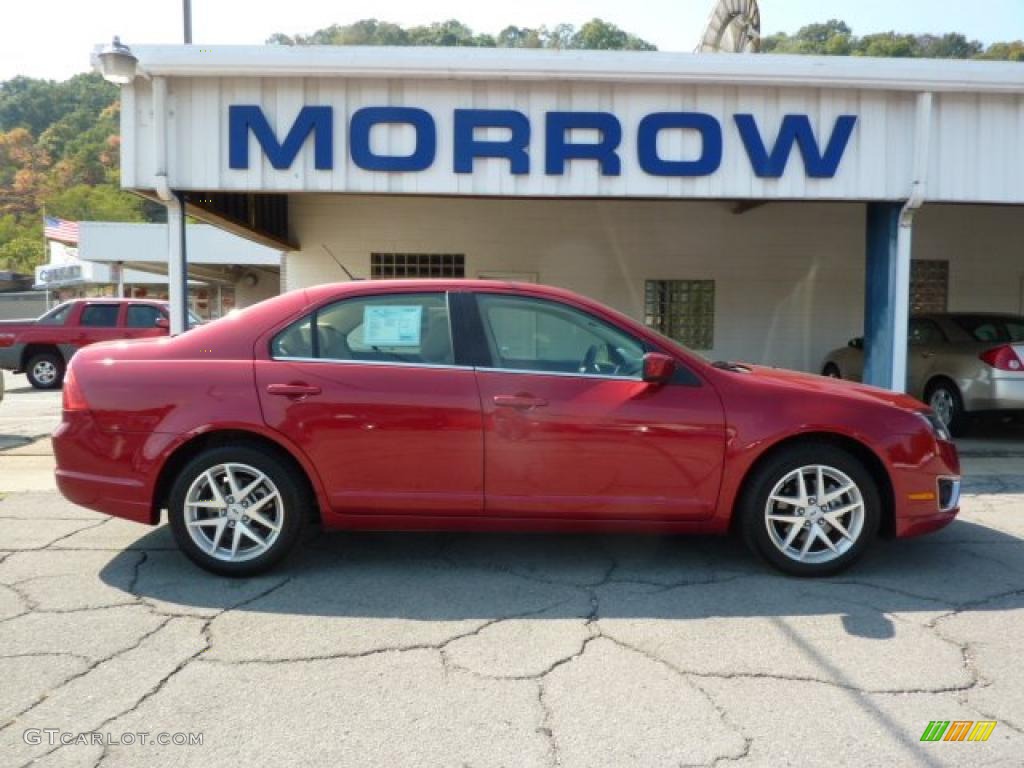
x,y
58,229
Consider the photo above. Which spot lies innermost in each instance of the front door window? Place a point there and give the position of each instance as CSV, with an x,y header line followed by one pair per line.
x,y
527,334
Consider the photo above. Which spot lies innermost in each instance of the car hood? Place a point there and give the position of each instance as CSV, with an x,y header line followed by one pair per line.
x,y
823,385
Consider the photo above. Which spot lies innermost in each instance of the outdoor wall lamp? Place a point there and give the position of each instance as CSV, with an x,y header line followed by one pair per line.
x,y
117,62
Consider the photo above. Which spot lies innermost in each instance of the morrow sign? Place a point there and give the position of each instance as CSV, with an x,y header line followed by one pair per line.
x,y
768,159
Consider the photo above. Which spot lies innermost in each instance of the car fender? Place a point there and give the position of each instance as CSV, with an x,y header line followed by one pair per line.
x,y
161,446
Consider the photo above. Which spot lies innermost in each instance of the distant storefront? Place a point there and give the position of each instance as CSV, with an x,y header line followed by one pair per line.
x,y
113,259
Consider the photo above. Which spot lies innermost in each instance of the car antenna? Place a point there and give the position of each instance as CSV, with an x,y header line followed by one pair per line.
x,y
336,261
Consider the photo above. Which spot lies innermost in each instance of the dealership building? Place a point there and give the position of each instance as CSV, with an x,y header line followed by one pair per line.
x,y
756,207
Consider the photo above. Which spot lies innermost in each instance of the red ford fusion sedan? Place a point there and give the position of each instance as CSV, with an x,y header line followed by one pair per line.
x,y
475,405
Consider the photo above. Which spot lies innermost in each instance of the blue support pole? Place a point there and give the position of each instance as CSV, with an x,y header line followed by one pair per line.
x,y
880,296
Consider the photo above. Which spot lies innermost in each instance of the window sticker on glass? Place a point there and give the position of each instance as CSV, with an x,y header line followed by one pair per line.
x,y
392,326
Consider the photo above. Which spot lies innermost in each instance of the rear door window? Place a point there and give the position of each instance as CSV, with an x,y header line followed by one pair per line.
x,y
100,315
410,328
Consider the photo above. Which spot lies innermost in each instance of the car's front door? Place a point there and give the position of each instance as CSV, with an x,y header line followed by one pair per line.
x,y
369,388
143,321
570,429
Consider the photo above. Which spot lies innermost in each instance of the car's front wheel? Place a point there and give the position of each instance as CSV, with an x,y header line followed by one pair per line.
x,y
238,511
810,510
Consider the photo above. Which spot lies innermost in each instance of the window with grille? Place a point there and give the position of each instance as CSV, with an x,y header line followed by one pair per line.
x,y
683,310
388,265
929,285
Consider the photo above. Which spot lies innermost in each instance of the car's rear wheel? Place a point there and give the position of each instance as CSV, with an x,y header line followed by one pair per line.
x,y
238,511
810,510
944,398
831,371
45,370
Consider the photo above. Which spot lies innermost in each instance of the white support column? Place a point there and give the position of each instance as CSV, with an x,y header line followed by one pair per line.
x,y
901,304
175,266
904,238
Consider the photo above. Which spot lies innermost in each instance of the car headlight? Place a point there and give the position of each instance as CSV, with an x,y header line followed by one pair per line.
x,y
941,430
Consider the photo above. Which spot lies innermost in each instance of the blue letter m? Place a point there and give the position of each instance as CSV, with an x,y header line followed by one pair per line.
x,y
315,120
795,128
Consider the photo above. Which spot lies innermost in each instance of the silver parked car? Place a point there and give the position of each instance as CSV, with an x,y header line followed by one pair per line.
x,y
961,364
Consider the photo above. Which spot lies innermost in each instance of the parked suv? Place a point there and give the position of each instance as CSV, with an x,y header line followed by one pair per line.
x,y
41,348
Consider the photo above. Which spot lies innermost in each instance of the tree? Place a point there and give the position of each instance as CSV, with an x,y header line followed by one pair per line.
x,y
835,38
595,34
600,35
22,254
1004,51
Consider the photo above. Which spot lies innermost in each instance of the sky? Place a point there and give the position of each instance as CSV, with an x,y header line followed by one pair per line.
x,y
61,48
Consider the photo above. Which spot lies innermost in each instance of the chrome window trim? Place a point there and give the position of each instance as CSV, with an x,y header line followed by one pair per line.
x,y
563,374
388,363
396,364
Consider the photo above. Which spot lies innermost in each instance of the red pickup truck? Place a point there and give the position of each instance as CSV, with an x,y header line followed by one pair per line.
x,y
41,348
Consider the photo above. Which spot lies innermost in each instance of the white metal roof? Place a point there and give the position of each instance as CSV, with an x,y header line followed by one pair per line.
x,y
603,66
111,241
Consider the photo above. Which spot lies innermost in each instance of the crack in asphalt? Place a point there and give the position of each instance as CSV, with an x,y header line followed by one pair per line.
x,y
592,622
160,684
93,665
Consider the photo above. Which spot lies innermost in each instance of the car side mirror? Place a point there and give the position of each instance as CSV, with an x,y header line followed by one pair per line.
x,y
162,322
658,368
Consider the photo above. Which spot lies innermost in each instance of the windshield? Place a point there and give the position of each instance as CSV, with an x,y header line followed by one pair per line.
x,y
992,328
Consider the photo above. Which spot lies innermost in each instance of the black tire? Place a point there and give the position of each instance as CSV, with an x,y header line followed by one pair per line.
x,y
45,370
753,513
958,421
295,500
831,371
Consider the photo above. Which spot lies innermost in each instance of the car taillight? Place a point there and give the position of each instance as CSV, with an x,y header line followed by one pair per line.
x,y
7,339
1005,358
72,398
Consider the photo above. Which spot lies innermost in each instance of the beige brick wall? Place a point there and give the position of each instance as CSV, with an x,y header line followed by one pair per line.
x,y
789,277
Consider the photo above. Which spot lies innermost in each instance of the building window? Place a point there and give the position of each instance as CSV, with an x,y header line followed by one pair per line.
x,y
387,265
683,310
929,285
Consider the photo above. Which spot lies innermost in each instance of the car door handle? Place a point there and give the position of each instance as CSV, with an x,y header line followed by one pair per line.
x,y
293,390
521,402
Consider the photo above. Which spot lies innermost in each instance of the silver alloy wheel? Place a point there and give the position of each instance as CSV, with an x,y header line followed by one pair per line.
x,y
234,512
815,514
44,372
943,404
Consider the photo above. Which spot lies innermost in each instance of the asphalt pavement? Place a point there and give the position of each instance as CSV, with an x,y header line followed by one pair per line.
x,y
487,650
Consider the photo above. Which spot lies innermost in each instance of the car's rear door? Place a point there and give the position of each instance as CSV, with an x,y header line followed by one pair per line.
x,y
98,321
369,388
570,429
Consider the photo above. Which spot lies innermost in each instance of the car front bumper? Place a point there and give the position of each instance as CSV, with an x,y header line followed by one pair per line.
x,y
927,494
